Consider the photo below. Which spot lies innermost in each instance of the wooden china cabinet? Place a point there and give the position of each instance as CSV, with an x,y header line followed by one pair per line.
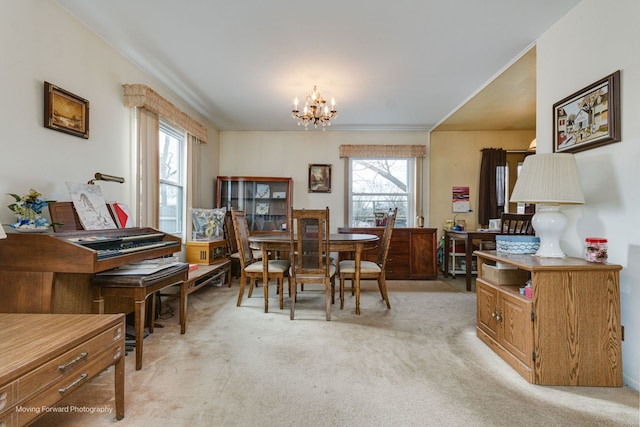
x,y
266,201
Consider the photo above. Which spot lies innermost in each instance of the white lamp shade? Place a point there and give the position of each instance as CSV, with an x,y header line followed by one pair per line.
x,y
548,178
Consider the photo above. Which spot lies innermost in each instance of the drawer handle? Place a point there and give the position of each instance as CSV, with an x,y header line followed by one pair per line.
x,y
76,360
73,384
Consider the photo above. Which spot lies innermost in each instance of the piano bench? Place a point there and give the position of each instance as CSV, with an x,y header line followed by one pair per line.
x,y
139,287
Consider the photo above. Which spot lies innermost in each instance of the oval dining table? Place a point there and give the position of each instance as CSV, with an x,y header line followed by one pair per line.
x,y
338,242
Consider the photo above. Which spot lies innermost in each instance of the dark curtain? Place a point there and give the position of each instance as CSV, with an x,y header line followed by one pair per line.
x,y
491,190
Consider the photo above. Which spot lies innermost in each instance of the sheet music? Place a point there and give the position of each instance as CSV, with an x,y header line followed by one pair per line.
x,y
91,207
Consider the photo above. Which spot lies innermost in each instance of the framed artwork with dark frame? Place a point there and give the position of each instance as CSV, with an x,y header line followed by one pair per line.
x,y
319,178
588,118
65,112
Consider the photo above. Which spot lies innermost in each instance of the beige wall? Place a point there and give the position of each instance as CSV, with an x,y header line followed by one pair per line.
x,y
54,47
609,174
288,154
455,161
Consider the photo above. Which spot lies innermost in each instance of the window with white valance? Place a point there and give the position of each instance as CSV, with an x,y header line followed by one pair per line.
x,y
149,108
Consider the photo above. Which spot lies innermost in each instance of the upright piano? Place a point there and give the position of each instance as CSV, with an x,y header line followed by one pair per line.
x,y
51,272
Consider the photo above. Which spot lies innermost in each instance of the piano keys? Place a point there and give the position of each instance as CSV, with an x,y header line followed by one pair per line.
x,y
110,246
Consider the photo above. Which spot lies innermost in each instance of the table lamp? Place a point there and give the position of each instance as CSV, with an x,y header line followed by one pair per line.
x,y
549,180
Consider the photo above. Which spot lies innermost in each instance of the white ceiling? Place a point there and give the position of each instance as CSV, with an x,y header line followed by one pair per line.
x,y
406,64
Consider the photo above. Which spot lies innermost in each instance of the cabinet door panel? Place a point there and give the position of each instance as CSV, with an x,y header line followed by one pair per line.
x,y
487,301
422,255
517,327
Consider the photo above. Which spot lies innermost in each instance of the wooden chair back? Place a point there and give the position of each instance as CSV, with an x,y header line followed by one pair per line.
x,y
230,234
309,233
309,251
516,223
241,230
383,252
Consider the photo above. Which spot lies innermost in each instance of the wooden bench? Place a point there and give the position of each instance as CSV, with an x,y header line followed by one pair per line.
x,y
202,276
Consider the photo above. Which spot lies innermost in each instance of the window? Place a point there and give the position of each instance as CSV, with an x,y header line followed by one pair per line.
x,y
380,184
172,169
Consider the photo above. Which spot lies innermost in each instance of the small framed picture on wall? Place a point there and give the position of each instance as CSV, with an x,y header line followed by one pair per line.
x,y
319,178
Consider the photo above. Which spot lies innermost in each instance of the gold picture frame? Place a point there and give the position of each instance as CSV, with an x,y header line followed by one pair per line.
x,y
65,112
319,178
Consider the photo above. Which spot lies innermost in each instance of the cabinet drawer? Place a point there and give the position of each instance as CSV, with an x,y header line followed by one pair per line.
x,y
69,383
7,396
6,420
68,363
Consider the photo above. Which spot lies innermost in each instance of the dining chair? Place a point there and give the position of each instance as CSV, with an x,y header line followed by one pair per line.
x,y
232,244
369,269
512,223
251,268
310,258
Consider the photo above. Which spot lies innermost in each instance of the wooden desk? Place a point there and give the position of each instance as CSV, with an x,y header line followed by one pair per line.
x,y
44,357
198,278
138,288
338,242
468,237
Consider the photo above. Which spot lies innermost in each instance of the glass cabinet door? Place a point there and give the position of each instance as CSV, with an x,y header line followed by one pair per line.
x,y
265,201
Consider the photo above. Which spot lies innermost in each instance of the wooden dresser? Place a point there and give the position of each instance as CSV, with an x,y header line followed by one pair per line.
x,y
412,252
45,357
568,333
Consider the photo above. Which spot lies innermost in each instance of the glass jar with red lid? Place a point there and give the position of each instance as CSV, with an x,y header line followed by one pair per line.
x,y
595,249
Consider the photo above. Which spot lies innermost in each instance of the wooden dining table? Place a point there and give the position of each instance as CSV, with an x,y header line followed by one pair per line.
x,y
338,242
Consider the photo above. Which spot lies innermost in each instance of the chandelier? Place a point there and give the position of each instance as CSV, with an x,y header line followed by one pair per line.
x,y
315,110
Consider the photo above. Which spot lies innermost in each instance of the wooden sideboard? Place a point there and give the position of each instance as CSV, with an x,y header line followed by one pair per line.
x,y
412,252
568,333
45,357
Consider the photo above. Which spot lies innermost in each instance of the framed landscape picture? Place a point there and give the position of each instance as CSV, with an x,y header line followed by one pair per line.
x,y
588,118
65,112
319,178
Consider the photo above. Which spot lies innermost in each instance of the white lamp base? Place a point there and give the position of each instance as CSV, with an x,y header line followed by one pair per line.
x,y
549,224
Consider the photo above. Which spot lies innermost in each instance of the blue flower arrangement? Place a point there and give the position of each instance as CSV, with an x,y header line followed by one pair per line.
x,y
28,209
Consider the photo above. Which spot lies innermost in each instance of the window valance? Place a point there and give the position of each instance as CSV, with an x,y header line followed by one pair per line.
x,y
139,95
402,151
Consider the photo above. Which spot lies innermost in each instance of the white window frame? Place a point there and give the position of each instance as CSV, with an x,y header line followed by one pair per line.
x,y
405,218
180,183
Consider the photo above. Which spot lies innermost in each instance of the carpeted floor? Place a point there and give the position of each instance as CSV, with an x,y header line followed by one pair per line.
x,y
418,364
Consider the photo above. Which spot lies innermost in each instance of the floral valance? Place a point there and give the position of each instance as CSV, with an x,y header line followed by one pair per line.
x,y
400,151
139,95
